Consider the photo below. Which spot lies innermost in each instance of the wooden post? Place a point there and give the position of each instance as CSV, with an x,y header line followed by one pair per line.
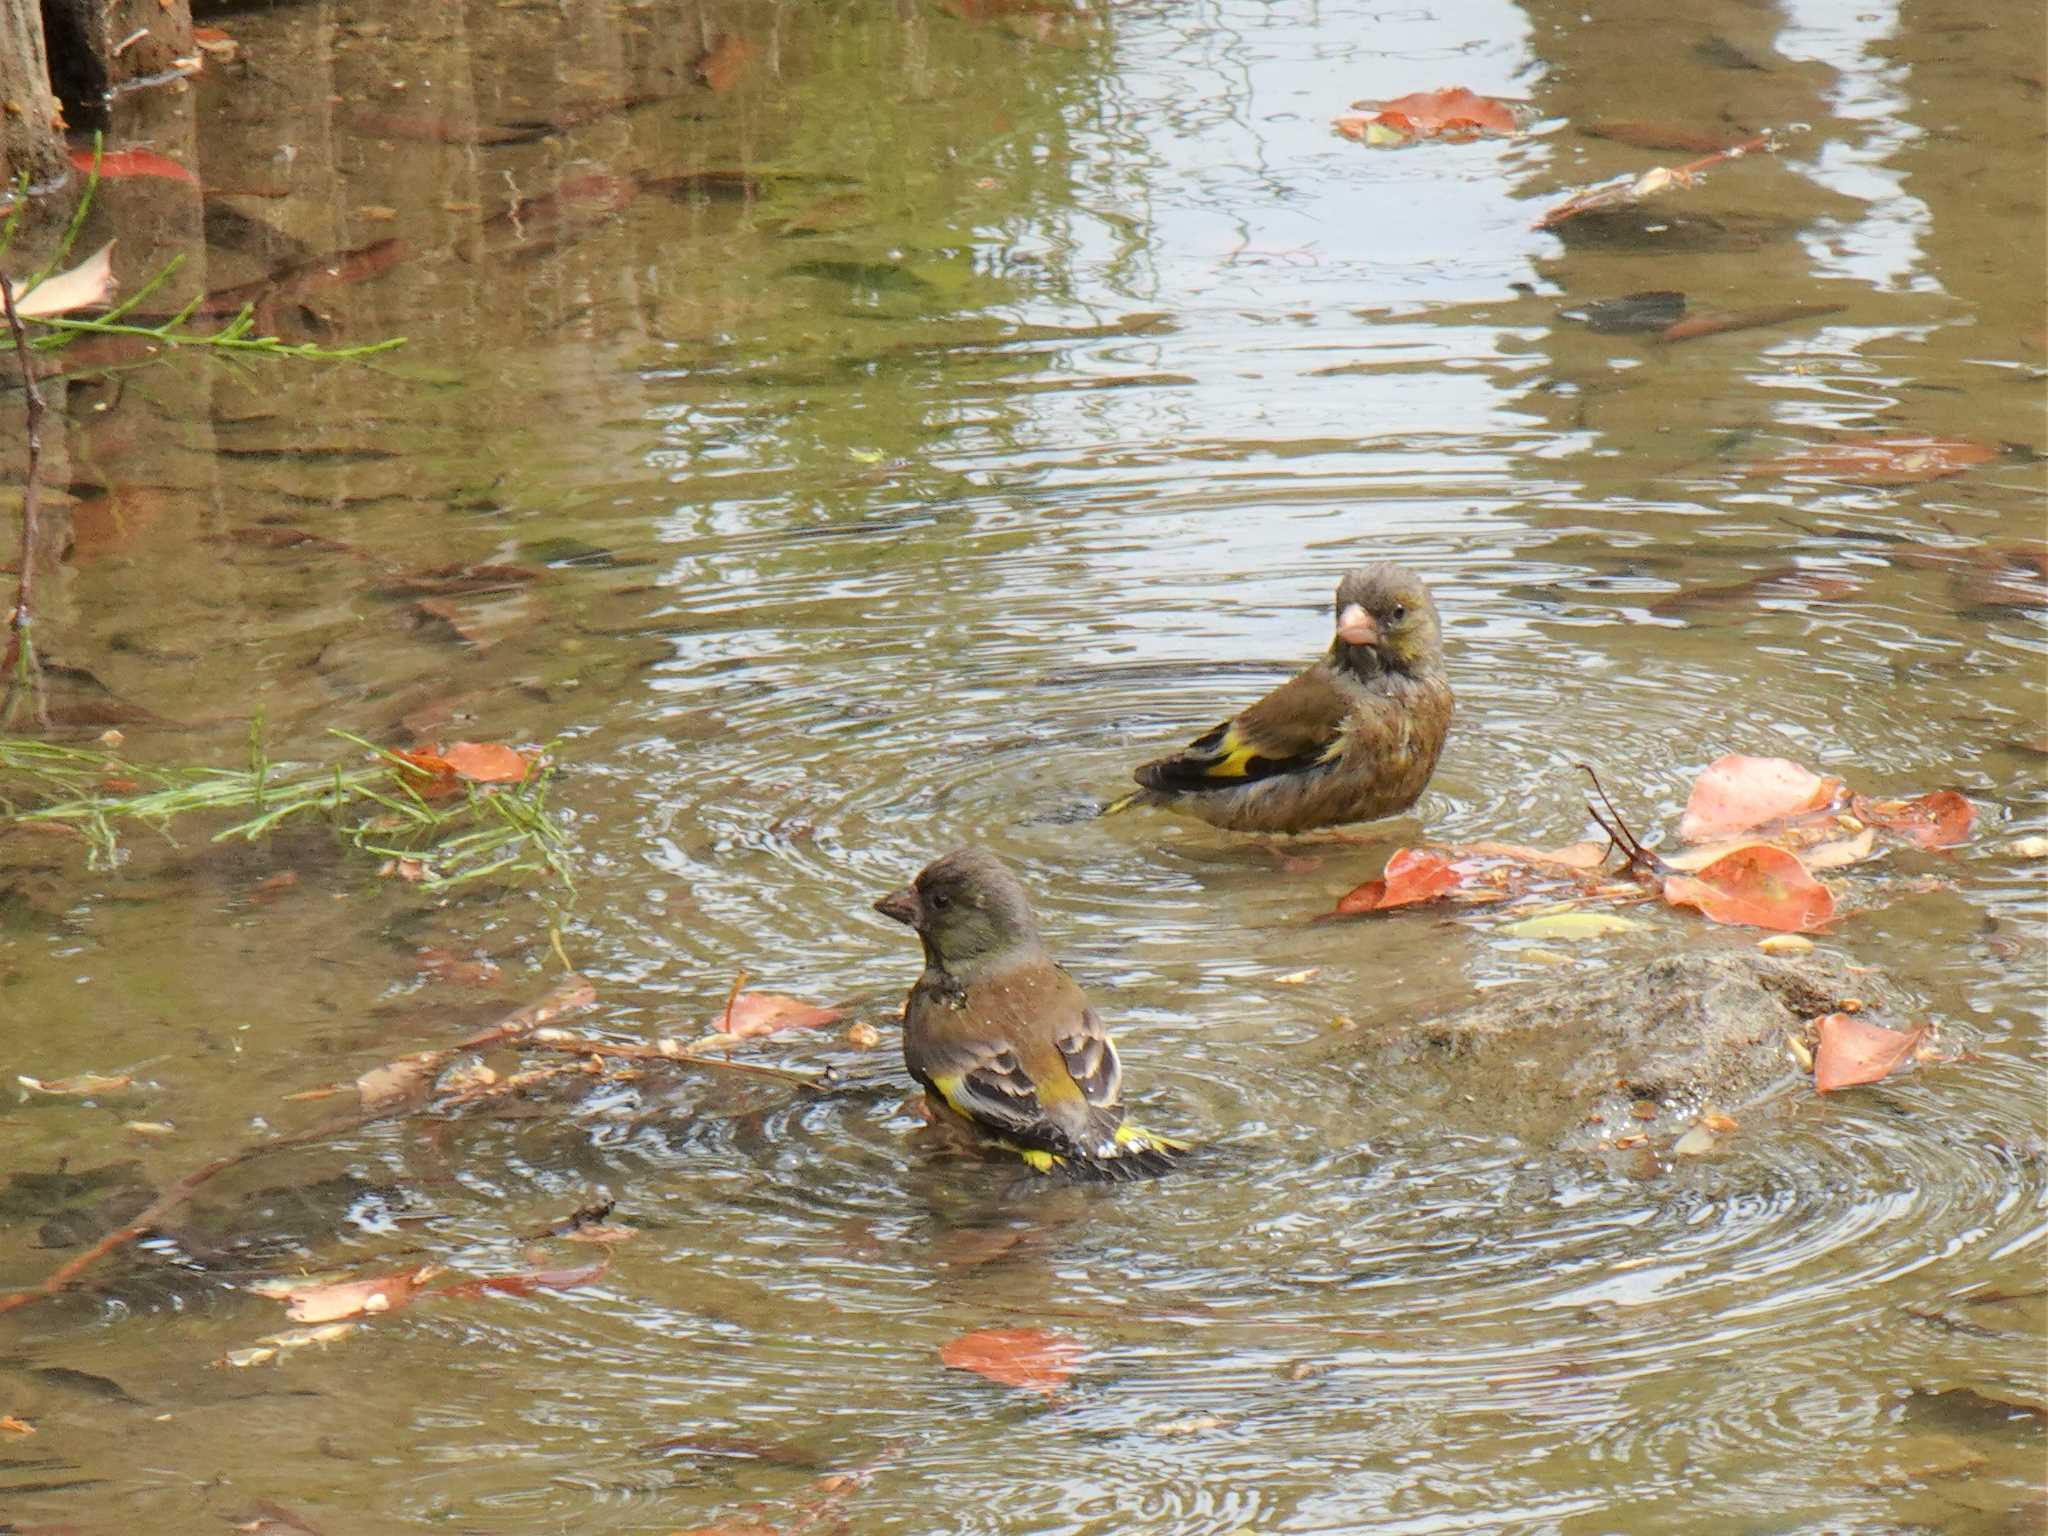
x,y
31,125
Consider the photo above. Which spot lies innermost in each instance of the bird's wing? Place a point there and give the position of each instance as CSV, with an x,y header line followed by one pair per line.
x,y
1026,1058
1089,1056
1297,726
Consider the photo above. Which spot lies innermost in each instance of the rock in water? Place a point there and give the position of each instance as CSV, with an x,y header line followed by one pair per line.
x,y
1582,1061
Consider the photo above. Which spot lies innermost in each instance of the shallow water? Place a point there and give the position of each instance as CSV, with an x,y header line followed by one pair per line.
x,y
1001,414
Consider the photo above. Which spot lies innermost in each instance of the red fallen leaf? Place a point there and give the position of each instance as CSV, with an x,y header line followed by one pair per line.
x,y
1854,1051
719,67
354,1298
1737,792
1757,885
1412,875
1905,459
1938,820
527,1283
1432,113
753,1014
123,164
1452,112
1016,1357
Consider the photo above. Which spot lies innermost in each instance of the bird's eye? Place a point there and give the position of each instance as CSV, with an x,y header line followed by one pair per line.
x,y
941,900
1400,612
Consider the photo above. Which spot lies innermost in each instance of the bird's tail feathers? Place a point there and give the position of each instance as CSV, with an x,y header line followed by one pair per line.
x,y
1137,1154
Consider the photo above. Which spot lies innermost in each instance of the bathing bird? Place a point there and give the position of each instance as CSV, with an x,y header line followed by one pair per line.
x,y
1352,737
1003,1038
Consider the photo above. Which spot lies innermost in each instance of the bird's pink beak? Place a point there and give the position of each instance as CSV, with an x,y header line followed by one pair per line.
x,y
900,905
1356,627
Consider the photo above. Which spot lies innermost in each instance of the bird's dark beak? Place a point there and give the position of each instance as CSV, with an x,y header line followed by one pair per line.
x,y
900,905
1356,627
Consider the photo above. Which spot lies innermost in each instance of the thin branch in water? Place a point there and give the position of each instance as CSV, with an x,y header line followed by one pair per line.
x,y
1640,859
583,1045
570,993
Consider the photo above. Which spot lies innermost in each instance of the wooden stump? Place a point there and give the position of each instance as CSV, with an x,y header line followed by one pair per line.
x,y
31,124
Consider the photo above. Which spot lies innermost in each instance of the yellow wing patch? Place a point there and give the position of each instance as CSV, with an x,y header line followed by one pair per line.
x,y
1235,752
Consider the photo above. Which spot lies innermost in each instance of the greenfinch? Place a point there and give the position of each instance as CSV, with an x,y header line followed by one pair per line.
x,y
1003,1038
1353,737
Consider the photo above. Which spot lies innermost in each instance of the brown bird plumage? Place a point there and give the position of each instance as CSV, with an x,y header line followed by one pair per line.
x,y
1353,737
1002,1037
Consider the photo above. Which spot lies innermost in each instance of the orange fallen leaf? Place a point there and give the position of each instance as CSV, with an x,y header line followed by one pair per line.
x,y
754,1014
483,762
120,164
1854,1051
1903,459
1412,875
1452,112
1759,885
15,1426
1938,820
1737,792
355,1298
1016,1357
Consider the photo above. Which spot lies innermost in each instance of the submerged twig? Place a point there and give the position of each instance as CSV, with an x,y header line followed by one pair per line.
x,y
583,1045
571,993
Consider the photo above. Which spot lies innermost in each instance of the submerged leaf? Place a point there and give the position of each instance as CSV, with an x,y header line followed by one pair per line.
x,y
1904,459
84,1085
1016,1357
89,285
1737,792
1412,875
356,1298
753,1014
1759,885
526,1282
1853,1051
1938,820
1570,925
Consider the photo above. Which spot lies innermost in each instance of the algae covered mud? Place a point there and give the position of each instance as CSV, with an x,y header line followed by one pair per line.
x,y
843,433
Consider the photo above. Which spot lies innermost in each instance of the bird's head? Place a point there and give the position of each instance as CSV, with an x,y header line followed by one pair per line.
x,y
965,907
1386,622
